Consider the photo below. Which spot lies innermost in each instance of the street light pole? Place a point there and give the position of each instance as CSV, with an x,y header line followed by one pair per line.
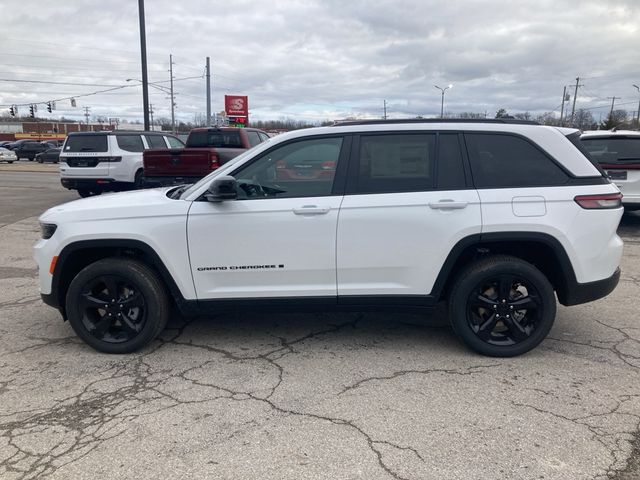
x,y
143,57
442,101
638,112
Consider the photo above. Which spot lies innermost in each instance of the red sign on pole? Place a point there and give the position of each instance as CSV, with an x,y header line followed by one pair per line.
x,y
236,105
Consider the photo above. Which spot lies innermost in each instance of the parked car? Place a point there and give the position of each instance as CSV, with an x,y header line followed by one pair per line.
x,y
96,162
50,155
495,217
29,149
7,155
13,145
206,150
618,152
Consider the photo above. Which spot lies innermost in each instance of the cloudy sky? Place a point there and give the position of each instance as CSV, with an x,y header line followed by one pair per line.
x,y
322,59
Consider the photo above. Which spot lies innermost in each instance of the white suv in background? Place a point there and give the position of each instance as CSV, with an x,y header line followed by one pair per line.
x,y
496,218
618,153
96,162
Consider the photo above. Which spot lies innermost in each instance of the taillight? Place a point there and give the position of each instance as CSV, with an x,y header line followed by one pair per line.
x,y
329,165
594,202
214,162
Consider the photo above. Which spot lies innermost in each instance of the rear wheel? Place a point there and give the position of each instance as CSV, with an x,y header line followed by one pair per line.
x,y
502,306
117,305
138,181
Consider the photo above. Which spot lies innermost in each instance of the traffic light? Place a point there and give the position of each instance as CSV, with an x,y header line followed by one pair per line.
x,y
12,111
32,112
49,109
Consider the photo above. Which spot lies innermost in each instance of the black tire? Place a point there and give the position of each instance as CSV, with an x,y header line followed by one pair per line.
x,y
494,327
135,309
138,182
9,161
84,193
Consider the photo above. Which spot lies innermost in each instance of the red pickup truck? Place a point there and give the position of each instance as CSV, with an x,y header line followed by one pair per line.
x,y
206,149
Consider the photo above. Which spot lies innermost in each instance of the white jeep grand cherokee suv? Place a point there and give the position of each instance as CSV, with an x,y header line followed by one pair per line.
x,y
497,218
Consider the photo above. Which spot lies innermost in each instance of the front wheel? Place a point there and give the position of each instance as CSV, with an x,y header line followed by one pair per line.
x,y
502,306
117,305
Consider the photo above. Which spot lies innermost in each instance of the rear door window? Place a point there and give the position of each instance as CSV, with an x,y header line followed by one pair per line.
x,y
450,168
395,163
156,141
508,161
130,143
174,142
86,143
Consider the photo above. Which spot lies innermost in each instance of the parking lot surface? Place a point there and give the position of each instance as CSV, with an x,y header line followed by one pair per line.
x,y
335,396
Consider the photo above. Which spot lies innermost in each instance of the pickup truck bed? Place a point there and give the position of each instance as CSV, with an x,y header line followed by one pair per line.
x,y
206,150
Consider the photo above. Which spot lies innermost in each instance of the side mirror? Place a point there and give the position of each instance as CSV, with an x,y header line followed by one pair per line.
x,y
221,188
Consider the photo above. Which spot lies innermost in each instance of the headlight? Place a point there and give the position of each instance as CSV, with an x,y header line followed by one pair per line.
x,y
48,229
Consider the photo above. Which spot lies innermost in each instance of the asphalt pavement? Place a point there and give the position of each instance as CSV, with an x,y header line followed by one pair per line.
x,y
321,396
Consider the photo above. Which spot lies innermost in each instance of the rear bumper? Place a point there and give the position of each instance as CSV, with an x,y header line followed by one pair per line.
x,y
94,184
587,292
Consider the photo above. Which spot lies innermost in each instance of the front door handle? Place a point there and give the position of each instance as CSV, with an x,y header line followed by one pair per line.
x,y
448,204
311,210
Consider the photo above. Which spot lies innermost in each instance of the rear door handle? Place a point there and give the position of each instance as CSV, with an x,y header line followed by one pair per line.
x,y
311,210
448,204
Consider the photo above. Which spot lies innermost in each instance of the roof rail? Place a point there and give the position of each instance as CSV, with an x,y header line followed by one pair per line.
x,y
340,123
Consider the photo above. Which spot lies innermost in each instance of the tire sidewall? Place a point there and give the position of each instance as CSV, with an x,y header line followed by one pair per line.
x,y
149,287
467,282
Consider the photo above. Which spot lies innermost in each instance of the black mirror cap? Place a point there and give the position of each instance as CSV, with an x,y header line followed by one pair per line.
x,y
222,188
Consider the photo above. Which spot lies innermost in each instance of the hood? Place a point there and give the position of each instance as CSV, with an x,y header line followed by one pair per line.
x,y
110,206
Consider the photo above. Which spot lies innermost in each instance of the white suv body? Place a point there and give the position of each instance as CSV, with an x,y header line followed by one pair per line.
x,y
95,162
389,215
618,153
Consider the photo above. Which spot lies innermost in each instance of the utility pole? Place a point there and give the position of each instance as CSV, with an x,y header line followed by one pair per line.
x,y
564,96
143,57
638,112
384,105
613,101
86,115
575,96
173,103
151,114
208,92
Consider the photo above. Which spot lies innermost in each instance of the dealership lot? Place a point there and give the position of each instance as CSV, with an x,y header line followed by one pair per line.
x,y
308,396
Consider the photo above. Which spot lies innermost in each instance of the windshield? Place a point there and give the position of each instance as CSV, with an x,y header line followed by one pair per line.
x,y
86,143
220,171
613,150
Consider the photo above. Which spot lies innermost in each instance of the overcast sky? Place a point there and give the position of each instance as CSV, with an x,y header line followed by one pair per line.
x,y
323,59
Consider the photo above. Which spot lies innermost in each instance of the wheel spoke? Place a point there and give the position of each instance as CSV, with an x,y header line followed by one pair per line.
x,y
101,326
133,301
112,287
128,325
88,300
530,302
504,287
516,331
483,302
485,328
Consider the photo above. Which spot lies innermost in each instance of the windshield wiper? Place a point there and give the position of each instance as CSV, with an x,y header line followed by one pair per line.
x,y
176,193
628,159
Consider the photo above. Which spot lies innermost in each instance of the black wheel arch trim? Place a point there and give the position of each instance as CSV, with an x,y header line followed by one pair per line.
x,y
568,289
57,296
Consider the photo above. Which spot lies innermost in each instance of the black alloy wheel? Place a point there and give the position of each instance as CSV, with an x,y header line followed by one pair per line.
x,y
117,305
113,310
502,306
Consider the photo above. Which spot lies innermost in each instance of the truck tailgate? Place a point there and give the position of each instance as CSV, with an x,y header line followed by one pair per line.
x,y
180,162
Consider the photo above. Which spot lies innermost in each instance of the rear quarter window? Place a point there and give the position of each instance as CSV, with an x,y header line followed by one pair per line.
x,y
508,161
86,143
